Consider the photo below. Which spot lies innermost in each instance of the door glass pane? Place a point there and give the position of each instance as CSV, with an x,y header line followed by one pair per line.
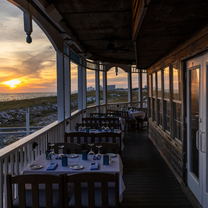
x,y
159,84
194,123
166,83
160,109
176,82
153,85
150,86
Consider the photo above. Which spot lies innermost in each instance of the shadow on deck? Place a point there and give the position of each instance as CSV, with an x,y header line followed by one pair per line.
x,y
149,181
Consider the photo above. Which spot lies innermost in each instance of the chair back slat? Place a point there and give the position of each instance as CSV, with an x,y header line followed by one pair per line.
x,y
91,194
104,190
77,194
22,198
49,195
35,195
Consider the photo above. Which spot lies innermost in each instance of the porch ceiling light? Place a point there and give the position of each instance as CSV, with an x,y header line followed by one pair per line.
x,y
116,70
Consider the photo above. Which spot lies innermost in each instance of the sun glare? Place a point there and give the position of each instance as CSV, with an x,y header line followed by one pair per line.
x,y
12,83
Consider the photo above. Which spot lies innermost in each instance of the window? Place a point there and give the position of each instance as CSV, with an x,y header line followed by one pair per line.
x,y
135,86
117,86
150,95
177,107
101,86
74,87
144,89
154,96
159,98
91,97
166,99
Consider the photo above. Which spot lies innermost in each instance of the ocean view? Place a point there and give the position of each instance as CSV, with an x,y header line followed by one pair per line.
x,y
22,96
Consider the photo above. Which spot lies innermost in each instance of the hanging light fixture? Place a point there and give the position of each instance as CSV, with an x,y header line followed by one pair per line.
x,y
116,70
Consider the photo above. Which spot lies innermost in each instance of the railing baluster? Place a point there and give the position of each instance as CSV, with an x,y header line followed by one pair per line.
x,y
5,174
1,184
12,169
25,156
21,160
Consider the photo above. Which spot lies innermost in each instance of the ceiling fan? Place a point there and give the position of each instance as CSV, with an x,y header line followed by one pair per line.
x,y
112,48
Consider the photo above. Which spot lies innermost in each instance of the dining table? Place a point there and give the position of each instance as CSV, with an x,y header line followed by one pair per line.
x,y
95,131
40,165
137,114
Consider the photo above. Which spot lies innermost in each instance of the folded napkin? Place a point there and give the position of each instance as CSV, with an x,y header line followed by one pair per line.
x,y
94,166
52,166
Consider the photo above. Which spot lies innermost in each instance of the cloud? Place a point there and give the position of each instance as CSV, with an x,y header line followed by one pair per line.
x,y
34,64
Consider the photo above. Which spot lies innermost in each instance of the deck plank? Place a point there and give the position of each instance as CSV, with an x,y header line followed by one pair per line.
x,y
149,181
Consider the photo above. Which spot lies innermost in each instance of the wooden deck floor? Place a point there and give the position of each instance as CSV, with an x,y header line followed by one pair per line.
x,y
149,181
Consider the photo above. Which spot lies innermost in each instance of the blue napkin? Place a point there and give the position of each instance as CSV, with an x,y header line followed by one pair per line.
x,y
94,166
52,166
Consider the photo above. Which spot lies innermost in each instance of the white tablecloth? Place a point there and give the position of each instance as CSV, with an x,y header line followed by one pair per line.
x,y
96,140
115,167
139,114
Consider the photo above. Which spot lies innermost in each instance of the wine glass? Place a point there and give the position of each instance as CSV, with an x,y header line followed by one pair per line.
x,y
107,128
61,154
99,154
91,152
52,150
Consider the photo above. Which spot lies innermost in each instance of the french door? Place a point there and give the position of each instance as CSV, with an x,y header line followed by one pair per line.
x,y
197,124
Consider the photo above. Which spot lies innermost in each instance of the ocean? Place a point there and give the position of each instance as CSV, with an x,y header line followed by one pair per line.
x,y
22,96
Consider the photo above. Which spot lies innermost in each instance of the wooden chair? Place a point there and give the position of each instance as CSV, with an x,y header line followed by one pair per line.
x,y
69,148
91,125
35,197
107,147
114,125
97,114
93,196
89,120
108,137
125,115
77,137
109,120
142,121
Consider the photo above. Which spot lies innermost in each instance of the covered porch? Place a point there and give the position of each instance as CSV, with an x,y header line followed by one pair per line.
x,y
152,41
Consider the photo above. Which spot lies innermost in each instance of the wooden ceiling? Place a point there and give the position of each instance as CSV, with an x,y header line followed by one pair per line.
x,y
104,28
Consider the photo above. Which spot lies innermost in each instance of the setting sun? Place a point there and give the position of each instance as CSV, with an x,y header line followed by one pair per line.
x,y
12,83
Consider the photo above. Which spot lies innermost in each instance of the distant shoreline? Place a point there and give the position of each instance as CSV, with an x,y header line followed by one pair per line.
x,y
5,97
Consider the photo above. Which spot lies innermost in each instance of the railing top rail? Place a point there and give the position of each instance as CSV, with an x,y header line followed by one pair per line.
x,y
19,128
8,150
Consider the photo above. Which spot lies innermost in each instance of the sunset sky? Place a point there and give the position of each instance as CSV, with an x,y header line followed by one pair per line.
x,y
32,67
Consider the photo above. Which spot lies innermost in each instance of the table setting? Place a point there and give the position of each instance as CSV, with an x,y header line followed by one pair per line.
x,y
76,163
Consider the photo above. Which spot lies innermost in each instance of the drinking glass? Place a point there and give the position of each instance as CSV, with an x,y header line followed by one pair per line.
x,y
52,150
107,128
91,152
61,154
99,154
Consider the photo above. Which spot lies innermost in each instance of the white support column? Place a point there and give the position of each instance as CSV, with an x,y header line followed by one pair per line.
x,y
80,86
105,88
97,85
84,75
140,88
60,86
67,76
129,87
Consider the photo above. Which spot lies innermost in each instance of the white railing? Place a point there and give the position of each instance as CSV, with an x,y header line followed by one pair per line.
x,y
17,156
